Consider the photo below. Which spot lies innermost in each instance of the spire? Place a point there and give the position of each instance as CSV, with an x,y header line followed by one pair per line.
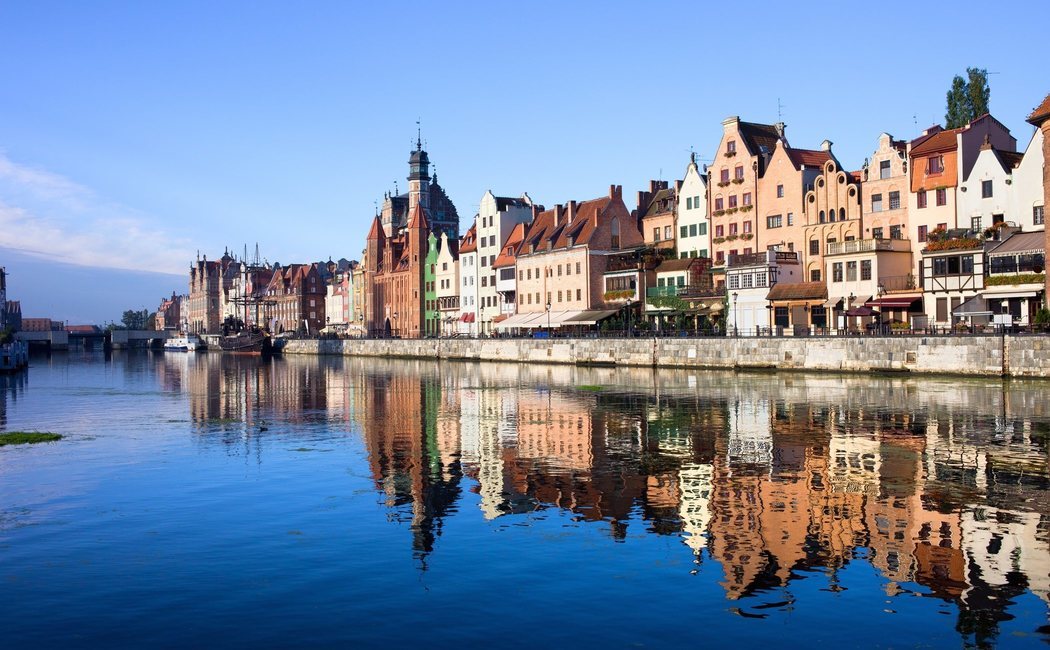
x,y
376,232
419,136
418,220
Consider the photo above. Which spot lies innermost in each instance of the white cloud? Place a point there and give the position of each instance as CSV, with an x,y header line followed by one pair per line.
x,y
47,215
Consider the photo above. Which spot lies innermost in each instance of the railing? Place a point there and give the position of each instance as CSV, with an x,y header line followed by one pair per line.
x,y
661,292
765,257
868,246
898,283
685,291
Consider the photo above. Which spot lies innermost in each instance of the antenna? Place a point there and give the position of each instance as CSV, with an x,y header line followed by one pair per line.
x,y
419,133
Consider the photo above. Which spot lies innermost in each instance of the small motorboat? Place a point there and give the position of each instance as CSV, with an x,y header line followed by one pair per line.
x,y
184,343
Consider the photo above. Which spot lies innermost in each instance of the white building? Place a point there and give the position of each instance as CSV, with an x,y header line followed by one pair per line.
x,y
507,274
693,238
748,281
446,275
986,196
497,217
1026,191
468,282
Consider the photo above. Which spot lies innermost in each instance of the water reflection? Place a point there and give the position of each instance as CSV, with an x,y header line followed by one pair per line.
x,y
940,486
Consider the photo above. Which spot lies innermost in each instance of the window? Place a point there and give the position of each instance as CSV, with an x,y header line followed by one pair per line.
x,y
876,202
791,218
559,296
734,281
688,203
1037,215
780,191
814,275
895,200
851,271
732,201
747,198
966,264
836,272
975,224
718,204
934,164
668,232
895,232
731,146
577,268
568,269
578,294
822,219
986,189
876,233
942,196
884,169
614,231
693,230
683,232
814,247
703,253
773,221
921,198
739,172
720,257
942,310
865,269
696,201
732,229
747,227
719,231
656,233
725,175
747,281
703,229
922,233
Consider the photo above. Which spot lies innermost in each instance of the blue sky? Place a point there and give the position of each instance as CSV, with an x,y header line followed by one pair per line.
x,y
134,134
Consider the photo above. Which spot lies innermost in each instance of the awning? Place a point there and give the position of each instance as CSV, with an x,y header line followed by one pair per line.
x,y
500,318
559,318
894,302
467,317
717,307
592,317
517,321
975,306
861,311
992,295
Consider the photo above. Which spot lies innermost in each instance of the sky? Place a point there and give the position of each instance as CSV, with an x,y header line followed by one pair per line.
x,y
134,135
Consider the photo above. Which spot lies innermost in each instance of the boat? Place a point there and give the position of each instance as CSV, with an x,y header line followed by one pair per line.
x,y
14,356
184,343
248,341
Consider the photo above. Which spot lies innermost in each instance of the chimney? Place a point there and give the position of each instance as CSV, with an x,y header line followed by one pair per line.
x,y
557,214
731,121
654,186
678,187
826,145
615,191
572,211
780,126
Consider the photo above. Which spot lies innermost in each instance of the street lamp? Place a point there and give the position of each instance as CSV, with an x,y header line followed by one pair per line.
x,y
395,323
736,322
548,318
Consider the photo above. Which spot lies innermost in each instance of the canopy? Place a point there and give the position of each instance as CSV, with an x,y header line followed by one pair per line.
x,y
993,295
590,317
861,311
717,307
894,302
975,306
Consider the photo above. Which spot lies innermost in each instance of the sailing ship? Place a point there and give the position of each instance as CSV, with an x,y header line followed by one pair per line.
x,y
251,340
238,335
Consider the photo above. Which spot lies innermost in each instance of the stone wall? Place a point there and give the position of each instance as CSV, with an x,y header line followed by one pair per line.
x,y
1021,356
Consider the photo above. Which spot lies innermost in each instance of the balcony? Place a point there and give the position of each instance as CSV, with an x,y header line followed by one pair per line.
x,y
686,291
770,258
661,292
868,246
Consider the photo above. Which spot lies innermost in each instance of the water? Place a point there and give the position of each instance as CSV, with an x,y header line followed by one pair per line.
x,y
202,499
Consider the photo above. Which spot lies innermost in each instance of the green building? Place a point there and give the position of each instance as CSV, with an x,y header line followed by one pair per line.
x,y
431,315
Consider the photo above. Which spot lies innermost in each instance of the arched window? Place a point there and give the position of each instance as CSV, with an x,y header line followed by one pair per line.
x,y
842,214
821,216
614,231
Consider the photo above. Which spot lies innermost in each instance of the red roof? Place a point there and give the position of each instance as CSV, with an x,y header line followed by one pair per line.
x,y
418,220
469,244
808,157
376,232
508,255
942,141
1041,112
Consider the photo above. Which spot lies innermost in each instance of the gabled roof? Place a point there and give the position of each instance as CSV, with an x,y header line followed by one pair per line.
x,y
941,141
1009,159
583,225
798,291
509,254
1041,112
666,195
756,136
469,243
808,157
376,231
680,264
417,220
505,202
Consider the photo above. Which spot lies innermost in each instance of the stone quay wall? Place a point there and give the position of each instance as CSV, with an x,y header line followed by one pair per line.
x,y
1017,356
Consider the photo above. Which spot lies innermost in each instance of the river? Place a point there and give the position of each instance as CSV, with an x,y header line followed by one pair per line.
x,y
214,500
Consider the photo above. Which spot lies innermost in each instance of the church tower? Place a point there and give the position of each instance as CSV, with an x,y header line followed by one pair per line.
x,y
418,179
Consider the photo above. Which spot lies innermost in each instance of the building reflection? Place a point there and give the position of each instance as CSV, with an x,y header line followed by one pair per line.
x,y
941,487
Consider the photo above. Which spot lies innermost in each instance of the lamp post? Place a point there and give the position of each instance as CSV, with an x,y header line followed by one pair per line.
x,y
395,323
548,318
736,315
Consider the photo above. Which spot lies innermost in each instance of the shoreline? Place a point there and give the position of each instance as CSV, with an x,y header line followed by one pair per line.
x,y
1026,356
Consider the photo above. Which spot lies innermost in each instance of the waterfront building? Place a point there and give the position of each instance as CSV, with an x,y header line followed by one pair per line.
x,y
742,157
951,270
884,192
832,214
42,325
563,259
799,307
468,282
505,268
12,315
748,282
206,283
168,316
394,277
693,238
789,176
864,283
497,218
438,209
296,297
682,292
431,314
338,304
446,276
656,212
1015,282
1025,193
1040,119
986,194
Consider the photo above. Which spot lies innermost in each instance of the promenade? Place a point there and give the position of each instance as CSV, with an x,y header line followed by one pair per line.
x,y
1023,355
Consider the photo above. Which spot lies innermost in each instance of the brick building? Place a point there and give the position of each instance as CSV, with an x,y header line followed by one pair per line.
x,y
296,294
394,278
205,301
169,314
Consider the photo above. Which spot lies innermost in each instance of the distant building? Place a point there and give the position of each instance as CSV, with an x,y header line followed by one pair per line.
x,y
693,238
497,217
169,316
394,269
297,294
440,213
446,276
468,281
205,301
657,208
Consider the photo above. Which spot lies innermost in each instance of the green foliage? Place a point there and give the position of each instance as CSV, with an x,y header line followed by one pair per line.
x,y
27,437
1017,278
668,302
967,98
1042,317
7,335
135,320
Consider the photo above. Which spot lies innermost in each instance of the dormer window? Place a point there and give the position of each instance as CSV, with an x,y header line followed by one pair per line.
x,y
731,146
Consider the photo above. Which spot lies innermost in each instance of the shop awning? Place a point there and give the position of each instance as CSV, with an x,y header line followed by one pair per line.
x,y
861,311
592,317
894,302
994,295
517,321
975,306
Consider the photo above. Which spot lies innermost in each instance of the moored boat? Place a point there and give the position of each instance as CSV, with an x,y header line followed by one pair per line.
x,y
184,343
251,341
14,356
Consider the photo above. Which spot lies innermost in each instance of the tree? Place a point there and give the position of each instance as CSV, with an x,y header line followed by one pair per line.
x,y
135,320
977,91
967,98
958,111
